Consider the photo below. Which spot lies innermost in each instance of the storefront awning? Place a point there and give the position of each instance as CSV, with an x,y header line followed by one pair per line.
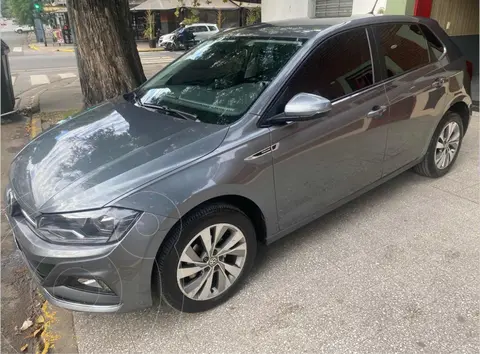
x,y
173,4
247,5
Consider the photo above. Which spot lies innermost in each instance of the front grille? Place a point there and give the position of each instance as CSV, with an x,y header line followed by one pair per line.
x,y
27,217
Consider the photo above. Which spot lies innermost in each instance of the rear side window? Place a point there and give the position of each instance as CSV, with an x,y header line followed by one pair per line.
x,y
403,47
212,28
341,66
201,29
436,47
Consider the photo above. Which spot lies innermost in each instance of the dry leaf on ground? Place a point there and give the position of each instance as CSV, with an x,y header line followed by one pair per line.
x,y
27,324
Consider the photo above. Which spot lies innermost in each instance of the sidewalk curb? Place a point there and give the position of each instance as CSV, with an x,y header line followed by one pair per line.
x,y
35,127
146,50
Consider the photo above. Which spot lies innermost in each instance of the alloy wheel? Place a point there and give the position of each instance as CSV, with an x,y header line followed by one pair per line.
x,y
447,145
211,262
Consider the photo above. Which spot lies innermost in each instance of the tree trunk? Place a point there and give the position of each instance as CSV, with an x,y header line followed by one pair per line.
x,y
107,55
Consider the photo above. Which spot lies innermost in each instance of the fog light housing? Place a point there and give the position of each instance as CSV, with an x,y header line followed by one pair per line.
x,y
90,284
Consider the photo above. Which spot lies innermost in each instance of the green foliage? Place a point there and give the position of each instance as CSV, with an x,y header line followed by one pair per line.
x,y
254,15
6,12
193,17
24,11
149,31
21,10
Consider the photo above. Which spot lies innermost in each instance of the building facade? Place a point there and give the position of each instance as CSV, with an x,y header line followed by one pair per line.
x,y
459,18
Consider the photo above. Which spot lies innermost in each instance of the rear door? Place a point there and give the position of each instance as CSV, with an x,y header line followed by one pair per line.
x,y
415,84
318,163
201,32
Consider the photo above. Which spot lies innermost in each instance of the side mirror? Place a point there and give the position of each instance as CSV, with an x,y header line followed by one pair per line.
x,y
303,107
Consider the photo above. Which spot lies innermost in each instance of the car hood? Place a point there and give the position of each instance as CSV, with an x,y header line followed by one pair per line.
x,y
166,37
98,156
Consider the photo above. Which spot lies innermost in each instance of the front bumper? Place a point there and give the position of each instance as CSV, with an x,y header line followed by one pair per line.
x,y
124,268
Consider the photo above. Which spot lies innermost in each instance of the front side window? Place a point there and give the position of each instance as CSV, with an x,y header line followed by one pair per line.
x,y
220,79
341,66
403,47
212,28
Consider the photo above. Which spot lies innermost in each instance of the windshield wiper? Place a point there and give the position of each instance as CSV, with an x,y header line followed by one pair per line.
x,y
177,112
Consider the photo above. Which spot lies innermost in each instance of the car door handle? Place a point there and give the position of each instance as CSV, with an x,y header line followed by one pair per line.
x,y
377,112
439,82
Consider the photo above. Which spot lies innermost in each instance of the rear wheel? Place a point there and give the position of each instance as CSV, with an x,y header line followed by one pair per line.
x,y
444,147
19,31
206,257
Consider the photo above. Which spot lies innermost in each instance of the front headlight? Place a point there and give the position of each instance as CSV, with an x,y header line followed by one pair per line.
x,y
95,226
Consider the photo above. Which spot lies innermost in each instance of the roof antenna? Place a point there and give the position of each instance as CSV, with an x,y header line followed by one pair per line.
x,y
373,9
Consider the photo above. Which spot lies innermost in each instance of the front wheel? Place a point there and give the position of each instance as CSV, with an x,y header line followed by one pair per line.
x,y
206,257
444,147
19,31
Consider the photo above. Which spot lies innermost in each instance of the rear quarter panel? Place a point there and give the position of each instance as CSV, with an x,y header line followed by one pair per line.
x,y
458,84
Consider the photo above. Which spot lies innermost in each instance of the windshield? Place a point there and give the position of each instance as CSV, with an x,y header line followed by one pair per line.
x,y
221,78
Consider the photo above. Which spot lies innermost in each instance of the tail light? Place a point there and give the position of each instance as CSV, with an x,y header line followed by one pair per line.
x,y
470,69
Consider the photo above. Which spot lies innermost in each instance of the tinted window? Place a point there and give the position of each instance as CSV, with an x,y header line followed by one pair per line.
x,y
219,79
403,47
341,66
434,43
201,29
212,28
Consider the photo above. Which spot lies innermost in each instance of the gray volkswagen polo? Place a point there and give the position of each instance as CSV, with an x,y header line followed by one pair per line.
x,y
168,189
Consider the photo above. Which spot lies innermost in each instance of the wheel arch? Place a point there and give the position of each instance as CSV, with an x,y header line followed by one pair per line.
x,y
462,109
245,204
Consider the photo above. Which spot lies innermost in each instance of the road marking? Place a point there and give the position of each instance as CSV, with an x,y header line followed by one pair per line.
x,y
17,49
67,75
14,78
39,79
156,60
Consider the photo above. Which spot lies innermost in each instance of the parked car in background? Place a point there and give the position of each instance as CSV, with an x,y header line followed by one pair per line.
x,y
200,31
24,28
244,139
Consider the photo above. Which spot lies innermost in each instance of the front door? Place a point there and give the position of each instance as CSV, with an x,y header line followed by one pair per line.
x,y
320,162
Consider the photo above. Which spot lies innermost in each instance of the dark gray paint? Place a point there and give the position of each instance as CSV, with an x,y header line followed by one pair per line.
x,y
166,167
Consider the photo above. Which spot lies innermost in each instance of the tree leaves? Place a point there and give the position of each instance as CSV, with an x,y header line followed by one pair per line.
x,y
21,10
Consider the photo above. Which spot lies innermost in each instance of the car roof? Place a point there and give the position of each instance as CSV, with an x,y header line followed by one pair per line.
x,y
201,24
310,27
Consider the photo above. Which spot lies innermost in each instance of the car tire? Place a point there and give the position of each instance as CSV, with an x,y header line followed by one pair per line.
x,y
19,31
224,272
431,165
